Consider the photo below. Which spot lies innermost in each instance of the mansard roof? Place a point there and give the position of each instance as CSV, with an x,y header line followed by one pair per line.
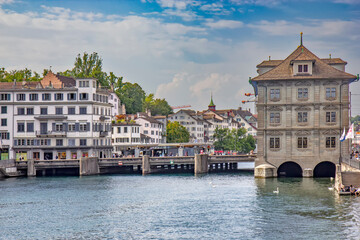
x,y
321,69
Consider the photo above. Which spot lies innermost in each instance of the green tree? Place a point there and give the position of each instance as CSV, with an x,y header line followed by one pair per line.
x,y
156,106
133,96
235,140
221,138
19,75
176,133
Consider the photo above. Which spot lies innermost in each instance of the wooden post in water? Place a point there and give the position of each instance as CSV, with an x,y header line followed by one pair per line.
x,y
146,165
201,164
31,171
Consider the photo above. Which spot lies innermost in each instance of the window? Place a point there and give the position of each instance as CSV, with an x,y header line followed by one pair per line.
x,y
302,117
125,129
71,110
5,135
59,111
33,97
82,142
71,127
152,132
43,111
118,130
330,117
83,83
30,127
146,132
83,110
46,97
3,122
330,92
302,93
71,142
3,109
30,111
274,143
83,127
274,117
83,96
330,142
59,96
21,111
302,142
21,127
5,97
303,68
20,97
59,127
59,142
71,96
146,124
275,94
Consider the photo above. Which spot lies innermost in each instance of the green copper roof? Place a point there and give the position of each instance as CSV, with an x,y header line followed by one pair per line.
x,y
211,103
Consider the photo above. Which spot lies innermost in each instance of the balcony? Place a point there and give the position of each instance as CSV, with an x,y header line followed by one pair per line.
x,y
50,117
50,134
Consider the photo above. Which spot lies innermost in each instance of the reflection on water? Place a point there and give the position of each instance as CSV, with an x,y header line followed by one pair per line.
x,y
213,206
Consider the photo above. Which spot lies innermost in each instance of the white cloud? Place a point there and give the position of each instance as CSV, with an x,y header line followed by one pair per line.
x,y
224,24
6,1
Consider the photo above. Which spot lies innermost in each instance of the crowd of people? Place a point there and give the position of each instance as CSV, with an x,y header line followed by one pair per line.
x,y
351,189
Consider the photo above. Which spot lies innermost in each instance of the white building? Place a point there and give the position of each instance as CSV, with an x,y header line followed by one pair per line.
x,y
125,136
151,129
58,117
193,122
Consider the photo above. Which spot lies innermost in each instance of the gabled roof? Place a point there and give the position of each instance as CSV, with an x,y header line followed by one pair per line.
x,y
321,70
19,85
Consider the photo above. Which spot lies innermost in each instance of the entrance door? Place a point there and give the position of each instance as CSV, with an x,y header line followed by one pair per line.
x,y
43,128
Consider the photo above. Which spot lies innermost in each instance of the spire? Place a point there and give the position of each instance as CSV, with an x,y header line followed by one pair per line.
x,y
301,33
211,105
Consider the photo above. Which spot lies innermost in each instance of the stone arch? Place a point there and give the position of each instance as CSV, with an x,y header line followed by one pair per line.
x,y
325,169
289,169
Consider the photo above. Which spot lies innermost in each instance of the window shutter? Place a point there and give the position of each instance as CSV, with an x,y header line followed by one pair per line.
x,y
77,127
65,127
15,142
88,126
53,127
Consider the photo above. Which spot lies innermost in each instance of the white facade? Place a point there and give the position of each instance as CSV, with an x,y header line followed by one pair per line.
x,y
51,122
151,129
193,123
124,136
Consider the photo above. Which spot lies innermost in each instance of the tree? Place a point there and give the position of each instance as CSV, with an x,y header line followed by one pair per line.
x,y
19,75
133,96
176,133
235,140
156,106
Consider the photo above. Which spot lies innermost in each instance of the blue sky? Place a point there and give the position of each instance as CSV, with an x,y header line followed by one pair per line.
x,y
181,50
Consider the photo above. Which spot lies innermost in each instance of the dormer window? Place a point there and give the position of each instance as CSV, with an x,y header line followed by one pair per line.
x,y
303,68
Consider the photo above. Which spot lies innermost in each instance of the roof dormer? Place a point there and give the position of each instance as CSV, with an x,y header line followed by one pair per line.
x,y
303,64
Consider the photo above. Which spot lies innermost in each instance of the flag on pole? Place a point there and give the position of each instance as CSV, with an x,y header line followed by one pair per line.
x,y
342,138
350,134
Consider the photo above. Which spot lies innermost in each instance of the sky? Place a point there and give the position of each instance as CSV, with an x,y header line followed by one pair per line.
x,y
180,50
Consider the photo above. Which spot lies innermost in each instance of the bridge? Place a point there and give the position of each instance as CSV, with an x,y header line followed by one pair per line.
x,y
198,164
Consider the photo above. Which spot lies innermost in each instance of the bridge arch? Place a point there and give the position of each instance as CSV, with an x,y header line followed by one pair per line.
x,y
289,169
325,169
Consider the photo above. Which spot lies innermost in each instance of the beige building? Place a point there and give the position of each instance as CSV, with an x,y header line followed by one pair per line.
x,y
303,106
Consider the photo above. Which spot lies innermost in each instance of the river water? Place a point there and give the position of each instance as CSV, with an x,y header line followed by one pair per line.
x,y
213,206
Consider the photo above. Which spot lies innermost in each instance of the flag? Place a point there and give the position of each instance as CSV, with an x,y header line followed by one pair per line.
x,y
342,138
350,134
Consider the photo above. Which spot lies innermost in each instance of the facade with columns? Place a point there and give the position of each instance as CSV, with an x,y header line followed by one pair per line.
x,y
303,107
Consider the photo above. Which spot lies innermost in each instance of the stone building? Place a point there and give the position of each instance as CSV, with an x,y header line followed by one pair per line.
x,y
303,107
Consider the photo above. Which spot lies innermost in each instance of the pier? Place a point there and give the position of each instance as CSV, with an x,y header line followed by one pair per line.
x,y
198,164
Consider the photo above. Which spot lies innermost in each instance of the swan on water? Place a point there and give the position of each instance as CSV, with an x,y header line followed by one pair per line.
x,y
277,190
